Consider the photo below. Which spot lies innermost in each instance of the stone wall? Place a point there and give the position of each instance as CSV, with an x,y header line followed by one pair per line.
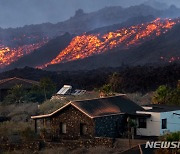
x,y
110,126
87,143
73,118
119,144
35,146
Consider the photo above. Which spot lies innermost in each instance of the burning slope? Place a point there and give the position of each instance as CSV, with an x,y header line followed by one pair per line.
x,y
9,55
90,44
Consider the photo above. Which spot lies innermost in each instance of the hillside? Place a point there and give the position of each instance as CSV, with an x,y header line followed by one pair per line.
x,y
109,29
44,54
161,50
133,79
16,43
50,50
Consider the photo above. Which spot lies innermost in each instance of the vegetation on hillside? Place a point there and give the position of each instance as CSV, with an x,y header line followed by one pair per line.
x,y
135,79
170,138
167,95
38,93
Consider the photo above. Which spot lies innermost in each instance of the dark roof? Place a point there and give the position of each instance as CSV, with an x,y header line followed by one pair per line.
x,y
108,106
102,107
139,115
162,108
10,82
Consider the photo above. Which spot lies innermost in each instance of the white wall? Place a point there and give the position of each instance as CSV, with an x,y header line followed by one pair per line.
x,y
173,121
153,125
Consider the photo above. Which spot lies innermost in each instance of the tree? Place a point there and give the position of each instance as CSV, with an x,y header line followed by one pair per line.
x,y
48,87
106,89
115,82
166,95
16,95
43,91
175,97
162,95
35,94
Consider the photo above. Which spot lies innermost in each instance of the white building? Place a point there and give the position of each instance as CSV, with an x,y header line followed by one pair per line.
x,y
163,119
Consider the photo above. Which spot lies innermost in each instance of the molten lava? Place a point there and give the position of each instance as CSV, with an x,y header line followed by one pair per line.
x,y
9,55
90,44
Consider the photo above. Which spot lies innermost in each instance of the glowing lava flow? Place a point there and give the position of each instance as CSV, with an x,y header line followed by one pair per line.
x,y
87,45
9,55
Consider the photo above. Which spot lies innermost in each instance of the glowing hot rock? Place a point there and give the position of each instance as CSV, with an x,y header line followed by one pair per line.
x,y
87,45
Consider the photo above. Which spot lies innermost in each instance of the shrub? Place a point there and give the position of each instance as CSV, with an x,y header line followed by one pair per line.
x,y
28,134
50,106
9,129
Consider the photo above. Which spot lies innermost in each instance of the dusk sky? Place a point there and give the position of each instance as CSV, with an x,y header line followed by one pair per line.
x,y
15,13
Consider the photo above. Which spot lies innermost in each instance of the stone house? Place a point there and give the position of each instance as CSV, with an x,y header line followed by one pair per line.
x,y
102,117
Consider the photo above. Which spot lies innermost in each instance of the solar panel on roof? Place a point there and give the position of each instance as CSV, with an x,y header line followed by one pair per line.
x,y
64,90
79,92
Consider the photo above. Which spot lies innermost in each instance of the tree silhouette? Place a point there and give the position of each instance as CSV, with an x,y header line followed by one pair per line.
x,y
16,95
162,95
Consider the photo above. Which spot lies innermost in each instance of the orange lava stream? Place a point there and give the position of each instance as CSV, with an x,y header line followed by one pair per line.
x,y
87,45
9,55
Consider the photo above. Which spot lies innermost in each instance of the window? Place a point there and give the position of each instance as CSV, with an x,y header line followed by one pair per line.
x,y
142,123
83,129
164,123
63,128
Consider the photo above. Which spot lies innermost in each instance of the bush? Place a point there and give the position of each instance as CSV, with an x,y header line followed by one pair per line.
x,y
50,106
28,134
9,129
19,112
171,137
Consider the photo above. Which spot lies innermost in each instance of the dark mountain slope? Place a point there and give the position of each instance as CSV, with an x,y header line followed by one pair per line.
x,y
49,51
131,21
155,52
159,50
43,54
133,79
81,22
